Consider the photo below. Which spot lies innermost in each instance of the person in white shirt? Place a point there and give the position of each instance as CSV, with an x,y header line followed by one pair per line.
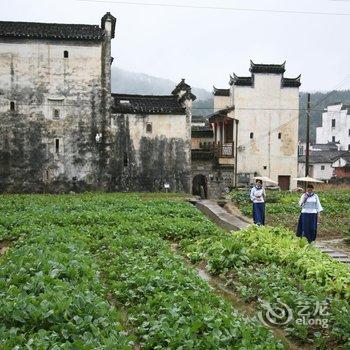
x,y
257,196
310,214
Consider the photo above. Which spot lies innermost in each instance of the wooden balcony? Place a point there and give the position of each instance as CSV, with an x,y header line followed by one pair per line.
x,y
224,153
225,150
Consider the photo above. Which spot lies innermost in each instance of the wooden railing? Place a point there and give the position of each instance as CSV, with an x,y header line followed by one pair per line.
x,y
225,150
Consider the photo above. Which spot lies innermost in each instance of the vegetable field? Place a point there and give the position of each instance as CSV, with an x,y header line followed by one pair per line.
x,y
99,271
282,209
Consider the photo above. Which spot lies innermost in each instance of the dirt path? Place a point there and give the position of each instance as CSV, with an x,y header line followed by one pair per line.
x,y
4,245
246,309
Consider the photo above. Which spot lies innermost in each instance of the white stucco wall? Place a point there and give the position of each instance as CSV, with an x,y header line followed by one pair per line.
x,y
163,126
266,109
221,102
341,131
316,171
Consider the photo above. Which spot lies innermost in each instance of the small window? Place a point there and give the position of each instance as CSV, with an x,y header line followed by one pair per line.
x,y
251,135
65,54
333,123
279,135
149,127
56,113
349,132
333,138
322,167
126,160
265,167
12,106
57,146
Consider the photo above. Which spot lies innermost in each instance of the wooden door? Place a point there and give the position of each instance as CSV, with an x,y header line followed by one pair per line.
x,y
284,182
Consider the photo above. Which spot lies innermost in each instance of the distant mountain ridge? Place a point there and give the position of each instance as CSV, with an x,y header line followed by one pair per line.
x,y
127,82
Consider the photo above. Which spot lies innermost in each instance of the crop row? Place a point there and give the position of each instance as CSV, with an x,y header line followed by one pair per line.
x,y
271,264
58,300
51,296
168,305
129,238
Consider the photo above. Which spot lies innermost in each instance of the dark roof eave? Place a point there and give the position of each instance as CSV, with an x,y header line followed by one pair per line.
x,y
50,31
220,113
267,68
221,92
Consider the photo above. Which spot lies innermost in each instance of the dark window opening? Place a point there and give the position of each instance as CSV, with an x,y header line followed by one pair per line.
x,y
265,167
228,131
65,54
322,167
333,138
126,161
333,123
12,106
349,132
56,113
279,135
251,135
57,145
149,127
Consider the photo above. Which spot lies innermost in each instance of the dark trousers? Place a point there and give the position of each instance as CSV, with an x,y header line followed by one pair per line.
x,y
259,213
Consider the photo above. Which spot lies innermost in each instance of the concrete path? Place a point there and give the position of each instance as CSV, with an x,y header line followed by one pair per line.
x,y
234,222
335,254
219,215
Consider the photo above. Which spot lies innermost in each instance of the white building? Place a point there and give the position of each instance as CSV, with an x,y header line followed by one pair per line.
x,y
335,126
265,107
320,164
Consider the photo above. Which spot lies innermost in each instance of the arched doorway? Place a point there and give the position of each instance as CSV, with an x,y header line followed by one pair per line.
x,y
199,186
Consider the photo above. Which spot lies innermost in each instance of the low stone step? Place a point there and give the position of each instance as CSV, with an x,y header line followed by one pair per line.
x,y
327,250
337,255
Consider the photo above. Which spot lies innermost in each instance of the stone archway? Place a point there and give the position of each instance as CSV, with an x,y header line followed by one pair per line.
x,y
200,186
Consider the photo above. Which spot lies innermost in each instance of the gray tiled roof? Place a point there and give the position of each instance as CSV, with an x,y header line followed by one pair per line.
x,y
221,92
56,31
201,132
291,82
146,104
322,156
267,68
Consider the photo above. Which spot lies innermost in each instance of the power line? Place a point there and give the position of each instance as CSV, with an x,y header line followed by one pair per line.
x,y
148,4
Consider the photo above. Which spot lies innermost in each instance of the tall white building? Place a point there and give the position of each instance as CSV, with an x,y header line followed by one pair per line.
x,y
265,107
335,126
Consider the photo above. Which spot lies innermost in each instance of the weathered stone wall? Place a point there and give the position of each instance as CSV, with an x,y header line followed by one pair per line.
x,y
39,152
217,179
144,160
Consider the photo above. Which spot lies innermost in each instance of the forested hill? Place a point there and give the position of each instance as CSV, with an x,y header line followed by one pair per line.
x,y
139,83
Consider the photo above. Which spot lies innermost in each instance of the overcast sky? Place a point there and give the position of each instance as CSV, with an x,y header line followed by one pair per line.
x,y
205,45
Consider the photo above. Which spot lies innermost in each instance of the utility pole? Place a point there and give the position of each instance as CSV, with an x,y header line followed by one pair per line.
x,y
236,147
307,156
